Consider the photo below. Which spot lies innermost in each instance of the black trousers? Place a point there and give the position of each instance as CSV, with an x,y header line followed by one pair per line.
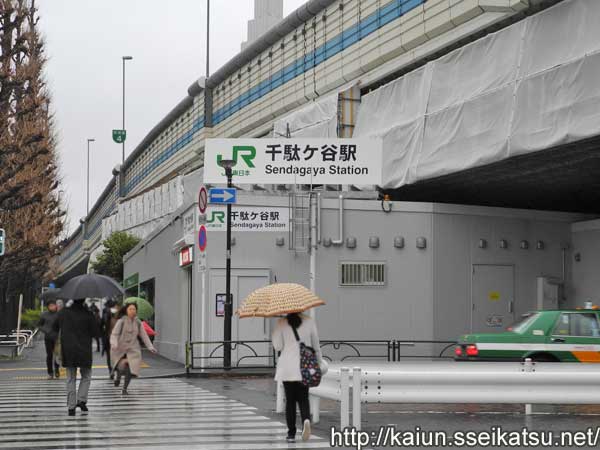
x,y
106,343
295,392
50,363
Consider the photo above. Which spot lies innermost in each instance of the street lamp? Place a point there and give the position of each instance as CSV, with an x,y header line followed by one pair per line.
x,y
228,164
124,58
207,38
88,175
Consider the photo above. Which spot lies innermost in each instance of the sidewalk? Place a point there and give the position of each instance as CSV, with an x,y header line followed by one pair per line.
x,y
32,365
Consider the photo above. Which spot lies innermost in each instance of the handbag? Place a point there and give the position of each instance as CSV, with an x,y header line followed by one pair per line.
x,y
309,365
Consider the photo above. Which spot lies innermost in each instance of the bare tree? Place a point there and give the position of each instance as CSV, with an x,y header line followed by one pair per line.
x,y
29,181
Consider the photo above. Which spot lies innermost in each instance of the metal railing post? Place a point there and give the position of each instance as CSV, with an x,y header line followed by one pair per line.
x,y
280,401
187,359
315,408
528,364
356,397
345,398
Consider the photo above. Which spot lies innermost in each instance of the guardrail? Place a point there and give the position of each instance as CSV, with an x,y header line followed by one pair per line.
x,y
200,355
16,342
203,354
494,382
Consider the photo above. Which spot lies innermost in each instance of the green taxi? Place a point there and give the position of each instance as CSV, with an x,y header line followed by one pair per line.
x,y
551,336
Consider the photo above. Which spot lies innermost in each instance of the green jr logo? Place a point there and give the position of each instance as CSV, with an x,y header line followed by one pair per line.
x,y
246,152
216,217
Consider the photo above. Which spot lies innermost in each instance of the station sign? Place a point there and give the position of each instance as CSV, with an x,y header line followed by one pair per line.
x,y
249,218
296,161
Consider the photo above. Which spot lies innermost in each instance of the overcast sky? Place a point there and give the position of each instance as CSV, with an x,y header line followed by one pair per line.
x,y
85,40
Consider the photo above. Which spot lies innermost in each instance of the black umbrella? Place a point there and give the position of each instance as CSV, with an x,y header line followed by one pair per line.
x,y
51,295
91,286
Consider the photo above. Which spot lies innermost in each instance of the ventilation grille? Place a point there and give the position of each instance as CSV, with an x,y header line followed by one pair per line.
x,y
362,274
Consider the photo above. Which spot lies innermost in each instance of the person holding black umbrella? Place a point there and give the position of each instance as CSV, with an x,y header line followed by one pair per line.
x,y
78,326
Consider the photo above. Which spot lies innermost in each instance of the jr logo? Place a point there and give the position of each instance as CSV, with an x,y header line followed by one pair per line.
x,y
216,217
246,152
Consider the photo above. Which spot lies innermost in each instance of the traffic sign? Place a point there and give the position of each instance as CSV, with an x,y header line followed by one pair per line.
x,y
202,238
202,200
222,195
119,136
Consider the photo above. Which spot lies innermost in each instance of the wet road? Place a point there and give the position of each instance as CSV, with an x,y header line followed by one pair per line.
x,y
160,414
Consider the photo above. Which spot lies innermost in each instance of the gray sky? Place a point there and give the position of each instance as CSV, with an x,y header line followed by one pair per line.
x,y
85,40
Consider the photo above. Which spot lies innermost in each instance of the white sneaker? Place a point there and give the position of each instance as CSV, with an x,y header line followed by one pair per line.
x,y
306,430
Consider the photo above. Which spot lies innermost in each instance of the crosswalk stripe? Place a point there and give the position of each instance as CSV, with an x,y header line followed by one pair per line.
x,y
232,446
158,414
45,420
55,424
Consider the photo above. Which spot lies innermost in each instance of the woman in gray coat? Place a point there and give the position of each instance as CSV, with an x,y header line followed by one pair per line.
x,y
126,353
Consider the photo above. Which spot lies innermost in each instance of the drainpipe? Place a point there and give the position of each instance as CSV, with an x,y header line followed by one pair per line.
x,y
340,240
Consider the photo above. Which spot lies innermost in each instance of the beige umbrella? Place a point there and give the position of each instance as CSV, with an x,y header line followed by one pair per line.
x,y
278,300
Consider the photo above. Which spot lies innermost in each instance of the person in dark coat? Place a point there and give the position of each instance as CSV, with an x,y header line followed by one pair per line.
x,y
96,312
107,323
46,325
77,326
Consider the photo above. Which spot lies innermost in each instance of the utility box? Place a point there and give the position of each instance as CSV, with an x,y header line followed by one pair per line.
x,y
548,292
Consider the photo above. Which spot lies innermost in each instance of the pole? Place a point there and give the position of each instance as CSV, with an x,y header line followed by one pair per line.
x,y
123,147
88,179
88,176
313,200
19,320
207,38
228,299
204,324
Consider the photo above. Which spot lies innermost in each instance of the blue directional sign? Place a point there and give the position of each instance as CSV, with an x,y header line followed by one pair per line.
x,y
222,195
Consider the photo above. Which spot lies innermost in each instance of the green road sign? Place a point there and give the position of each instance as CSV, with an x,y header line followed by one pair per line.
x,y
131,281
119,136
2,241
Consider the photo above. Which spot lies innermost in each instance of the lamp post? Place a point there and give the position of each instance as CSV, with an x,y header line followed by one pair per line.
x,y
124,58
88,176
207,38
228,164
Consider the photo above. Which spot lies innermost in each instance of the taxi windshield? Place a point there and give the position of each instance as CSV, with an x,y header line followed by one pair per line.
x,y
522,325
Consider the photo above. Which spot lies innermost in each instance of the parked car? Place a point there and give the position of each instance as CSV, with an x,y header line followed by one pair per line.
x,y
551,336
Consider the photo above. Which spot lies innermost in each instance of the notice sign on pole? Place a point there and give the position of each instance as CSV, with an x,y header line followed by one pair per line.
x,y
296,161
248,218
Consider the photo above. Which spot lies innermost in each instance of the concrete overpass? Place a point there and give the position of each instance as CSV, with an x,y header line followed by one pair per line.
x,y
327,49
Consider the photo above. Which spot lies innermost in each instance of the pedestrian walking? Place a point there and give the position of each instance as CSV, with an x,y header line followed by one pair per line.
x,y
126,352
46,325
77,327
96,312
107,323
289,332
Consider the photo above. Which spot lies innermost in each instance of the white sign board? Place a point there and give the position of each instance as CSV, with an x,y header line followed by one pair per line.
x,y
296,161
189,223
248,218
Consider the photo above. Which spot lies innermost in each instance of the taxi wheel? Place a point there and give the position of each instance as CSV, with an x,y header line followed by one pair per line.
x,y
543,358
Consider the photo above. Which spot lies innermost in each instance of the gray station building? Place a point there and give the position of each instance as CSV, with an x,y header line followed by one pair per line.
x,y
402,271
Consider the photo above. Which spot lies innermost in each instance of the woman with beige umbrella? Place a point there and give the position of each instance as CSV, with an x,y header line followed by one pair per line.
x,y
295,336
